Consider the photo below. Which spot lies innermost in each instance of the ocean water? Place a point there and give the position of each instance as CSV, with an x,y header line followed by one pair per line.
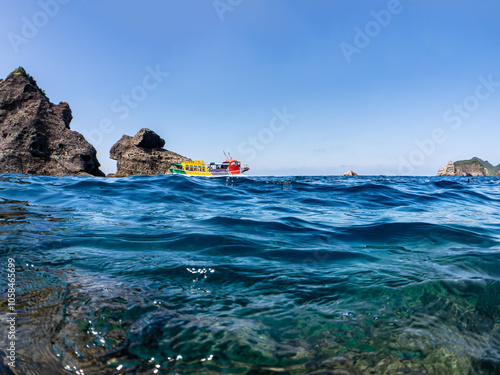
x,y
252,275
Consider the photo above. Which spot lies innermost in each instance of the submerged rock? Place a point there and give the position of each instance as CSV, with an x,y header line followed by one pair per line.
x,y
142,154
35,137
350,173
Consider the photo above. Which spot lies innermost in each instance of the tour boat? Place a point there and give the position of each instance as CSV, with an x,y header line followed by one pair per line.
x,y
230,167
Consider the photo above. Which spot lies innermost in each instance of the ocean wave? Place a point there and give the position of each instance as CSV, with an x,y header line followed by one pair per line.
x,y
255,274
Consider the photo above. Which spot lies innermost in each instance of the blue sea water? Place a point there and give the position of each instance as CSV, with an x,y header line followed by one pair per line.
x,y
252,275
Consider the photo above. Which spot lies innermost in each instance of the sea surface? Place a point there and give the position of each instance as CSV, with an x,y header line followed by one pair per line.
x,y
251,275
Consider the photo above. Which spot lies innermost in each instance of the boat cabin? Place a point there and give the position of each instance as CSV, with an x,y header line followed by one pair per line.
x,y
198,168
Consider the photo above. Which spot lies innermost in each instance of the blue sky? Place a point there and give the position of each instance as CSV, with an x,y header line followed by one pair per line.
x,y
286,86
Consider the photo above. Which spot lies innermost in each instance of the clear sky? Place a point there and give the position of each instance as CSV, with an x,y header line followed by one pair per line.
x,y
286,86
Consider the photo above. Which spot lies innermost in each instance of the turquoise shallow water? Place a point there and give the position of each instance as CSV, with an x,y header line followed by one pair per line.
x,y
252,275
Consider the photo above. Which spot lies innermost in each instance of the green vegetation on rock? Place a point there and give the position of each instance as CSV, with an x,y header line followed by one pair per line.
x,y
21,72
477,163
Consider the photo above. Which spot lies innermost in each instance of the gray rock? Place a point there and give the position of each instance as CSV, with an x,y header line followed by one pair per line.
x,y
146,138
35,137
142,154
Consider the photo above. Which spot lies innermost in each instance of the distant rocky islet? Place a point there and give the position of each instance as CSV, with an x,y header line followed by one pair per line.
x,y
350,172
474,167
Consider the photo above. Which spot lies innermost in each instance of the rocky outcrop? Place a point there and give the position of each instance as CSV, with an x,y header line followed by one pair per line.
x,y
472,167
35,137
350,173
142,154
447,170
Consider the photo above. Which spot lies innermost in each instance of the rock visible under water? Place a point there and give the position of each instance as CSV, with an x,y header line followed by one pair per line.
x,y
142,154
35,137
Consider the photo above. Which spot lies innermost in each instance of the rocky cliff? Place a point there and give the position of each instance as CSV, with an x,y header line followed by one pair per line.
x,y
472,167
143,154
35,137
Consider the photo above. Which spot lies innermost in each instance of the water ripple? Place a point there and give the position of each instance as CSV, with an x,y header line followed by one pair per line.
x,y
254,275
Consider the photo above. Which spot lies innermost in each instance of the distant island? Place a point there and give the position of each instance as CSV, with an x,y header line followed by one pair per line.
x,y
472,167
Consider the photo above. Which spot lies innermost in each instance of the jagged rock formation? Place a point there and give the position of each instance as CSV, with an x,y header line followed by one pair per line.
x,y
142,154
472,167
35,137
447,170
350,173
